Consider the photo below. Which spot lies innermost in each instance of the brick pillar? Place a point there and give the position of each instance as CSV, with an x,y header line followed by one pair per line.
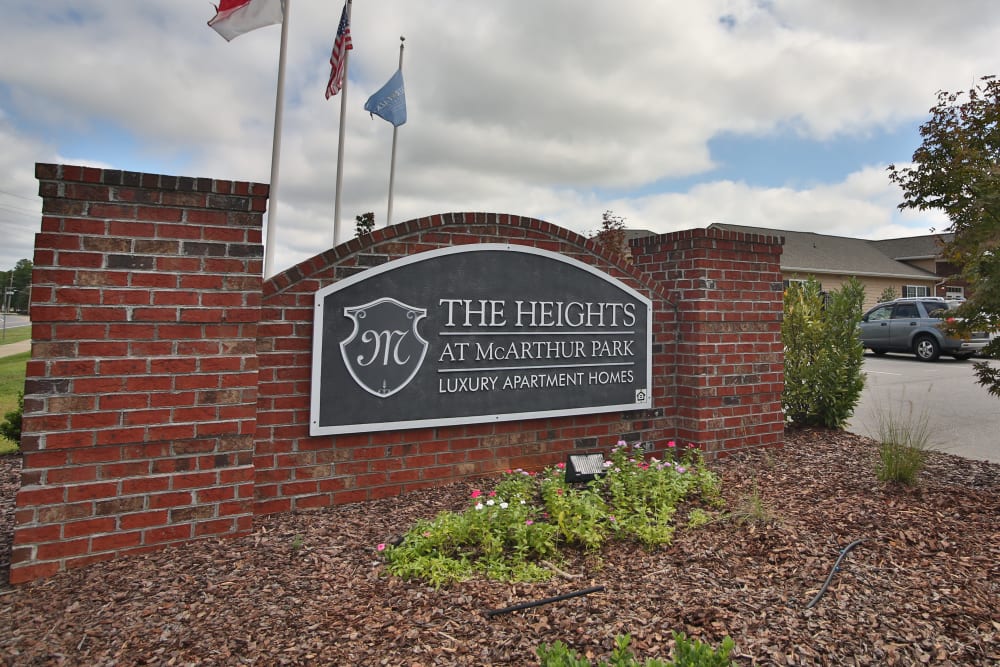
x,y
730,359
140,396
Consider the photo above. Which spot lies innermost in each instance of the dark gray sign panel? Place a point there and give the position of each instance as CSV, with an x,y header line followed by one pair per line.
x,y
477,333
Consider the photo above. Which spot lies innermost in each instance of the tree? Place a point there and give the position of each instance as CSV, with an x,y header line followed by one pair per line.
x,y
957,170
888,294
364,224
15,287
612,234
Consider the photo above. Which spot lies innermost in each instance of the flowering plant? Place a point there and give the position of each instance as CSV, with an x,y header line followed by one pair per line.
x,y
515,530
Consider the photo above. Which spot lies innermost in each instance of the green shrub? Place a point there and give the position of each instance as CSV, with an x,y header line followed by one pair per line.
x,y
687,653
823,354
11,426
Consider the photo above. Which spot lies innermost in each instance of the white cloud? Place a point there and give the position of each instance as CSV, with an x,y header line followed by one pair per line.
x,y
553,108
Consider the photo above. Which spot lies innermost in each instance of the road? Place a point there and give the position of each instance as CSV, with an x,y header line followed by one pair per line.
x,y
963,418
13,321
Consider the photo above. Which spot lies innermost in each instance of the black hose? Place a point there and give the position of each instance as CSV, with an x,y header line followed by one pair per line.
x,y
537,603
836,566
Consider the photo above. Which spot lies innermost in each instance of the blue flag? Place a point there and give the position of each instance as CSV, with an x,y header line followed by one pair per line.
x,y
390,101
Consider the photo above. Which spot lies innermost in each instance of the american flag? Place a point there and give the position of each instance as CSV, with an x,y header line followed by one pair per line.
x,y
338,59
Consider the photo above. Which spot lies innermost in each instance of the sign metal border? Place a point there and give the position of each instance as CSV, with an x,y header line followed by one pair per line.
x,y
315,429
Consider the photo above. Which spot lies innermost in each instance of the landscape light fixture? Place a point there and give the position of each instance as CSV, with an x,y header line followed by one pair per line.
x,y
583,468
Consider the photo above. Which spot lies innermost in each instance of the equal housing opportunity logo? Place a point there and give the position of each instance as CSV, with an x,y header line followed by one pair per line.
x,y
476,333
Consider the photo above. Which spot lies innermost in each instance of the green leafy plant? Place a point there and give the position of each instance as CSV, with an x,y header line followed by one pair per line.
x,y
954,170
364,223
687,653
644,496
612,235
500,536
580,514
517,530
12,392
10,428
698,517
903,438
694,653
823,353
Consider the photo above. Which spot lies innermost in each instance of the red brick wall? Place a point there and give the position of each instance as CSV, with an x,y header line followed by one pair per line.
x,y
168,394
140,396
295,470
730,360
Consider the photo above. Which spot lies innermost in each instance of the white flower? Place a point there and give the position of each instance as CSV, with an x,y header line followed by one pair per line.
x,y
523,502
503,506
479,506
490,502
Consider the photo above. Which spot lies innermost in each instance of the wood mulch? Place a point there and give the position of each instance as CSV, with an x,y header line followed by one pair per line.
x,y
309,589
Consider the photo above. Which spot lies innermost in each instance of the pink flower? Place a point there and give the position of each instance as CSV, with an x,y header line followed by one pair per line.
x,y
671,444
561,465
492,493
381,546
528,522
476,493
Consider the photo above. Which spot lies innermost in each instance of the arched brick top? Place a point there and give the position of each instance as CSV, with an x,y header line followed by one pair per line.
x,y
762,243
511,227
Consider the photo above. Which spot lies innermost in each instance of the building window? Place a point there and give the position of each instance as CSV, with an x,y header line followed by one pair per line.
x,y
793,281
912,291
956,292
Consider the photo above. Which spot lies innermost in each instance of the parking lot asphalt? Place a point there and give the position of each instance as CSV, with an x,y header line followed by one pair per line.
x,y
962,417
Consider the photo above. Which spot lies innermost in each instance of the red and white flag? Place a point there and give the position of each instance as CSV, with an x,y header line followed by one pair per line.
x,y
338,59
235,17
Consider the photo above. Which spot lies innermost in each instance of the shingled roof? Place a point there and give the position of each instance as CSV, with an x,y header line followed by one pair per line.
x,y
913,247
807,253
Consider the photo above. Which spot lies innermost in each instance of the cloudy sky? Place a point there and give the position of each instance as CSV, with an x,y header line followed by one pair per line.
x,y
673,114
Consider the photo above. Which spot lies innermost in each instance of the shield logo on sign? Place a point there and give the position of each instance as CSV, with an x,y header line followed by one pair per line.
x,y
385,350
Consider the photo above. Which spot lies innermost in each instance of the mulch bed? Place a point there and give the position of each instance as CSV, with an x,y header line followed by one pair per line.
x,y
309,588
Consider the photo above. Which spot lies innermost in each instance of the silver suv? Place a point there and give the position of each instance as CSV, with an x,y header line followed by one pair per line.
x,y
914,325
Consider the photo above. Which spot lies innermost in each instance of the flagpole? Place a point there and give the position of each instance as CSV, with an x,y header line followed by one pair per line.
x,y
340,144
392,161
279,104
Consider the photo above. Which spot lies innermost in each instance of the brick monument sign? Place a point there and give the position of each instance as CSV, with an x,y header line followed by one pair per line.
x,y
173,394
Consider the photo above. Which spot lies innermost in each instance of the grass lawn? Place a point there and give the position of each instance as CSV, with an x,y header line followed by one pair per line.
x,y
12,381
15,335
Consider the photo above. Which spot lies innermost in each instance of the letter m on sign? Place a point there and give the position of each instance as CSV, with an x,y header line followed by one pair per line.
x,y
385,350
